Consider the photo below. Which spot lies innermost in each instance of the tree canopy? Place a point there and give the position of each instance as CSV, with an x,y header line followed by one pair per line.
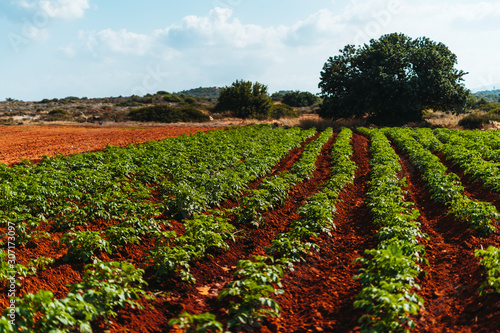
x,y
392,79
300,98
245,100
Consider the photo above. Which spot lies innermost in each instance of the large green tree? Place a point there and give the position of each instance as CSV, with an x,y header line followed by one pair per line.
x,y
245,100
392,79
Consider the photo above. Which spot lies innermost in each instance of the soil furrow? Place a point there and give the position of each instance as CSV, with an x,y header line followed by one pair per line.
x,y
319,294
213,272
454,275
61,273
473,189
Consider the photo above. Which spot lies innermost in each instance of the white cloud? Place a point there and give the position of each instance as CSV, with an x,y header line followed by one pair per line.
x,y
122,41
60,9
69,51
125,42
217,29
218,48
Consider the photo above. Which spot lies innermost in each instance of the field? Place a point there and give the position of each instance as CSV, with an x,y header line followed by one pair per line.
x,y
260,228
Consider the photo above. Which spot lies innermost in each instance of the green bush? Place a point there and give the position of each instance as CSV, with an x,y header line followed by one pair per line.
x,y
300,99
167,114
283,111
172,98
476,120
245,100
190,100
58,112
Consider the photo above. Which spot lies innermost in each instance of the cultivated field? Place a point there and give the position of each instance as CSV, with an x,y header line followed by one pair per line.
x,y
259,228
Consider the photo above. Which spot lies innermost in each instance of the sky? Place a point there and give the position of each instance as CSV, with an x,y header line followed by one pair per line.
x,y
102,48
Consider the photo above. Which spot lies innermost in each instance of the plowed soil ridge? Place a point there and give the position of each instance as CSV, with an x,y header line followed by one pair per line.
x,y
451,299
319,294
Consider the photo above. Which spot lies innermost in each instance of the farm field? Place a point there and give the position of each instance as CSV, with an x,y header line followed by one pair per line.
x,y
199,217
31,142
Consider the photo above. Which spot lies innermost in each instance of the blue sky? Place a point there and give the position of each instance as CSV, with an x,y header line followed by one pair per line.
x,y
100,48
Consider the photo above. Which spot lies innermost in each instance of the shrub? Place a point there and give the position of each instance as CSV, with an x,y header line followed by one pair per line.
x,y
167,114
58,112
283,111
172,98
190,100
477,120
245,99
277,97
300,99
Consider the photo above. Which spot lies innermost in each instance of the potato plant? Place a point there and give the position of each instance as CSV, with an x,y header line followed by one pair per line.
x,y
444,187
388,276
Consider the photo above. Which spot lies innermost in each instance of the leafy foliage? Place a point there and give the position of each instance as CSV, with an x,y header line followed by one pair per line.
x,y
393,79
251,302
105,287
300,99
82,245
200,323
245,99
491,262
167,114
202,233
444,187
388,277
110,286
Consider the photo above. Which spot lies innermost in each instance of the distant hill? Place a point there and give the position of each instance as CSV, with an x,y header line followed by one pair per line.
x,y
210,92
489,95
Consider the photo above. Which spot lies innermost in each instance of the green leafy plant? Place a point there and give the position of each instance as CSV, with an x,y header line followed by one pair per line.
x,y
250,295
41,312
491,262
82,245
110,286
200,323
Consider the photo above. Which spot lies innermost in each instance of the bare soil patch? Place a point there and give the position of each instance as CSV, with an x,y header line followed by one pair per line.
x,y
32,142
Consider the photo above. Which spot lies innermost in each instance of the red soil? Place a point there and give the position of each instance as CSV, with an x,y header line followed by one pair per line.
x,y
320,292
32,142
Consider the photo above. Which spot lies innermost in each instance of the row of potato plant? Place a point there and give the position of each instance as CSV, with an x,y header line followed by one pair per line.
x,y
105,288
259,279
445,187
491,262
316,215
388,274
470,158
209,231
273,191
118,183
486,141
468,152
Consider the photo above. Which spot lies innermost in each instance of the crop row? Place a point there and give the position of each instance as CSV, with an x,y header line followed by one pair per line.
x,y
173,254
469,156
444,187
258,279
447,189
388,276
273,190
104,289
119,183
